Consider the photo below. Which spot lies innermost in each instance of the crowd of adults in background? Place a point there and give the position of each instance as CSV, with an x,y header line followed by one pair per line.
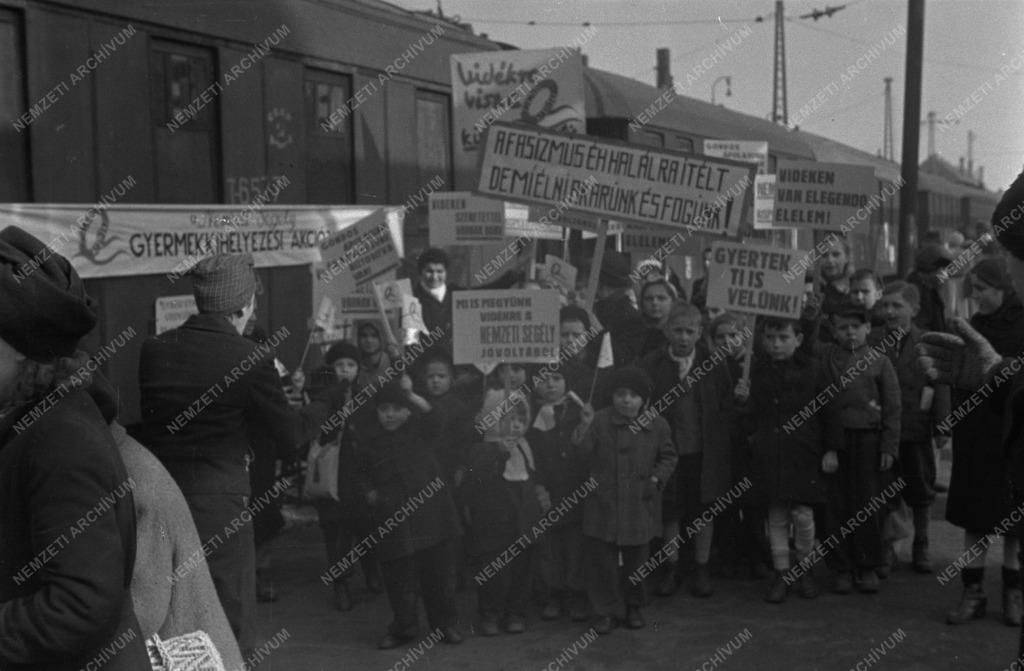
x,y
169,553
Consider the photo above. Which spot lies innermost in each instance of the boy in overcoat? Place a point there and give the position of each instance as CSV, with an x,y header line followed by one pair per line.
x,y
630,457
412,509
788,445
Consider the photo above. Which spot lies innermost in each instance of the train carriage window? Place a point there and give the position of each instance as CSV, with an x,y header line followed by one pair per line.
x,y
15,119
433,138
329,162
650,138
183,108
680,143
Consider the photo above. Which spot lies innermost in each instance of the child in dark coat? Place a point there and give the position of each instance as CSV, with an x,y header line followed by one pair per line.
x,y
869,400
630,458
564,476
345,522
787,449
454,416
501,502
415,517
924,406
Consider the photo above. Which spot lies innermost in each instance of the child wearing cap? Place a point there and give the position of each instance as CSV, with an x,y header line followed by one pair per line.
x,y
501,502
869,400
344,522
412,509
630,458
560,471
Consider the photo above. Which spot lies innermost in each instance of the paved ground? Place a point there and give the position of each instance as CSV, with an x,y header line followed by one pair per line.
x,y
904,624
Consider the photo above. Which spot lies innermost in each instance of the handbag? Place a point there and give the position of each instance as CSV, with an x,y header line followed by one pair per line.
x,y
322,470
188,652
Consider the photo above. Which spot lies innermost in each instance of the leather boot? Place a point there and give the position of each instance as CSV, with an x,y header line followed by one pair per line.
x,y
778,591
972,605
920,561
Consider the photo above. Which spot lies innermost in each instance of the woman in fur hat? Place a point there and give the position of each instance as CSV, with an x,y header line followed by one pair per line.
x,y
67,525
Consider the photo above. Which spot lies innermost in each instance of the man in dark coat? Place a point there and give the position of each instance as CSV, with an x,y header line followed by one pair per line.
x,y
617,312
67,522
204,387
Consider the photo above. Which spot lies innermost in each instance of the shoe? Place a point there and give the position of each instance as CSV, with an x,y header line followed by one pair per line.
x,y
489,627
844,583
605,625
702,582
669,585
451,635
390,641
972,605
1012,606
578,608
868,583
920,561
634,618
342,598
552,611
808,586
779,590
514,624
882,572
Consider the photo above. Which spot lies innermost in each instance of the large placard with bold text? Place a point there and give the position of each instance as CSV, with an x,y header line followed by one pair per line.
x,y
614,180
502,326
809,194
752,279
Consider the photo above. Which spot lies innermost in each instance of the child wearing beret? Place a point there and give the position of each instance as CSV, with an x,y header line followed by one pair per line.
x,y
630,458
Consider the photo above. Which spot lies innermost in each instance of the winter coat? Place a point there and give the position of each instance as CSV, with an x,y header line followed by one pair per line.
x,y
867,391
414,508
497,512
166,539
711,382
931,316
623,508
979,485
916,425
455,432
793,421
559,467
358,417
203,387
67,542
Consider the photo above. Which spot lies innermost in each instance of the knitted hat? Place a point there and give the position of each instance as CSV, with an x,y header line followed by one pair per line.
x,y
44,310
615,270
993,273
224,282
634,379
342,350
393,393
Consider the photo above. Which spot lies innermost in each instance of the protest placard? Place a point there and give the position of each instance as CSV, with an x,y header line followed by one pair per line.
x,y
559,272
522,222
173,311
751,279
462,218
505,325
740,150
510,85
809,194
614,180
356,256
764,201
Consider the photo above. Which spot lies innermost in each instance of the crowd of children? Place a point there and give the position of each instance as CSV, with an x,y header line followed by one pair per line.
x,y
553,486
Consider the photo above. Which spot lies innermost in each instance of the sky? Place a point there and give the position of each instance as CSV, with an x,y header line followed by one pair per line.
x,y
973,61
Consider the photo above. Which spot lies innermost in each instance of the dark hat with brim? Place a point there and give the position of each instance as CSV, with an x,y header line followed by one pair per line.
x,y
931,257
44,310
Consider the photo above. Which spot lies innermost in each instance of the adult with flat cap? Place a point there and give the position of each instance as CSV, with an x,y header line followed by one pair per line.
x,y
967,361
204,388
67,525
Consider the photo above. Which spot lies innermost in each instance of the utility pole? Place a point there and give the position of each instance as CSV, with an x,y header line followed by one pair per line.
x,y
911,137
971,137
663,67
888,152
780,110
